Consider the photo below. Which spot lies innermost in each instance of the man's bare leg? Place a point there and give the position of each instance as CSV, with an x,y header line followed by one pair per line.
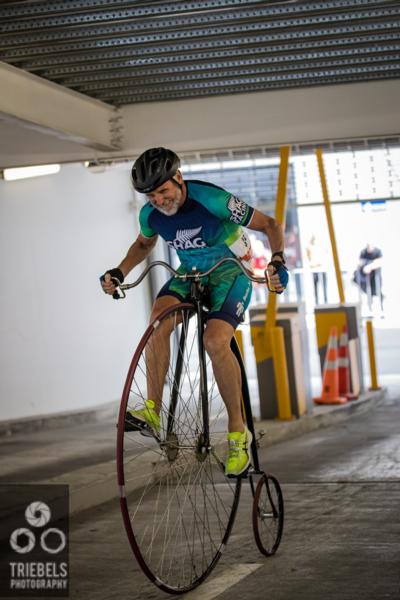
x,y
217,339
158,350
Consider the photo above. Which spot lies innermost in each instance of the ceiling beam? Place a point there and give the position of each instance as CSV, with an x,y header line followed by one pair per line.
x,y
52,109
275,118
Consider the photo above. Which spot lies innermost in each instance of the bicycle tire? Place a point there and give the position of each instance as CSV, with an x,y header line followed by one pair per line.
x,y
177,505
268,514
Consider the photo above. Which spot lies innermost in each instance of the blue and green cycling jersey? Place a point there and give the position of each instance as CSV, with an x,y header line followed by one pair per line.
x,y
206,227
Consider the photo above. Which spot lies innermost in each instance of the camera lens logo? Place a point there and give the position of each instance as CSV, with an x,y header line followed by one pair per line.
x,y
23,540
38,514
53,532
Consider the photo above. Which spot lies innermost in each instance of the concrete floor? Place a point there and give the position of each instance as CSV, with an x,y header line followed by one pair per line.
x,y
342,526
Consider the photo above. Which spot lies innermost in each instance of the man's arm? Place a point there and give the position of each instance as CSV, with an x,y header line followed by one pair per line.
x,y
139,250
272,229
376,263
275,234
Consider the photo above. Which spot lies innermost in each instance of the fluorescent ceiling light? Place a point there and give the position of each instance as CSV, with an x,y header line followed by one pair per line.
x,y
213,166
25,172
266,162
237,164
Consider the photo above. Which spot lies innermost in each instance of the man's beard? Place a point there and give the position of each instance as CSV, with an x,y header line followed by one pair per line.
x,y
171,210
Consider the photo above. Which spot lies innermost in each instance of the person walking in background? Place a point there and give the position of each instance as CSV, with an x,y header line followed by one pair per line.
x,y
317,258
368,275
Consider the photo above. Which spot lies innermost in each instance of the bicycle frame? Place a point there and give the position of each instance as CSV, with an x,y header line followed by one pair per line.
x,y
196,299
246,406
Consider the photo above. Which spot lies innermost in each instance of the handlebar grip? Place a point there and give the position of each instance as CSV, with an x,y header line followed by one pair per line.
x,y
277,265
116,295
268,282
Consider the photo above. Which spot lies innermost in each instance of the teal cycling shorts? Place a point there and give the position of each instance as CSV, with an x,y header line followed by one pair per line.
x,y
228,293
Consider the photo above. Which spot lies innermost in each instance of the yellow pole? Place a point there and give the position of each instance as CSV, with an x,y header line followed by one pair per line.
x,y
281,373
280,208
371,352
280,215
330,225
272,333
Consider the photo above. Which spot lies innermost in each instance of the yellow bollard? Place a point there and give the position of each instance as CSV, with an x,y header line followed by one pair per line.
x,y
281,373
372,361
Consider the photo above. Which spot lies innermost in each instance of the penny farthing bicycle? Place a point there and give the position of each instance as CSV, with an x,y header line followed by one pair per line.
x,y
178,506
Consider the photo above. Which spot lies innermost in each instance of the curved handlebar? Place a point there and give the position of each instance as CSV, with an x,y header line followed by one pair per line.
x,y
195,275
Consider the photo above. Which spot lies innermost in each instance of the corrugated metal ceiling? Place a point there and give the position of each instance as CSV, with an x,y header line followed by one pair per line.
x,y
125,52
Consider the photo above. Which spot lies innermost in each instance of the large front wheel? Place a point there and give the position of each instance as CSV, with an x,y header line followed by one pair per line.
x,y
178,507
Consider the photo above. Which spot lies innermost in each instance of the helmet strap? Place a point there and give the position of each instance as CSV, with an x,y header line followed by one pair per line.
x,y
179,185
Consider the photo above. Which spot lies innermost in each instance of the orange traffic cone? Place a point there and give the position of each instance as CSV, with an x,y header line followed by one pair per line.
x,y
344,366
330,379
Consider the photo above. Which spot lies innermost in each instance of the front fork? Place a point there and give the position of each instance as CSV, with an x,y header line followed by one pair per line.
x,y
204,439
205,435
177,376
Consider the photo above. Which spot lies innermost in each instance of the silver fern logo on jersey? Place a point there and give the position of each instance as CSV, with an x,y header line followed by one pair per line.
x,y
237,209
187,239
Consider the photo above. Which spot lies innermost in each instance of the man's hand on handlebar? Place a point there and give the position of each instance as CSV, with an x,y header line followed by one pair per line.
x,y
110,280
278,276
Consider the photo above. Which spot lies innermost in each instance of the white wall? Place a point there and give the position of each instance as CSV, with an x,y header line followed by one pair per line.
x,y
64,344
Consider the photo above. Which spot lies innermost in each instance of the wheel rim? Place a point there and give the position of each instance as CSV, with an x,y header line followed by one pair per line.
x,y
268,514
177,505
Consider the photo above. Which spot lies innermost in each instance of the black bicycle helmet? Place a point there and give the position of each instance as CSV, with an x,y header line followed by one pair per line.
x,y
153,168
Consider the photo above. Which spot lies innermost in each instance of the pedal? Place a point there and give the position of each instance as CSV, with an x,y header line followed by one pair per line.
x,y
134,424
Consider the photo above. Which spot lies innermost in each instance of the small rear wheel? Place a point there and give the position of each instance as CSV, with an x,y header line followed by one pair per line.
x,y
268,514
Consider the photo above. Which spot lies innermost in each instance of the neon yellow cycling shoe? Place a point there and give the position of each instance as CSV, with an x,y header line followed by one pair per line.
x,y
239,453
143,419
